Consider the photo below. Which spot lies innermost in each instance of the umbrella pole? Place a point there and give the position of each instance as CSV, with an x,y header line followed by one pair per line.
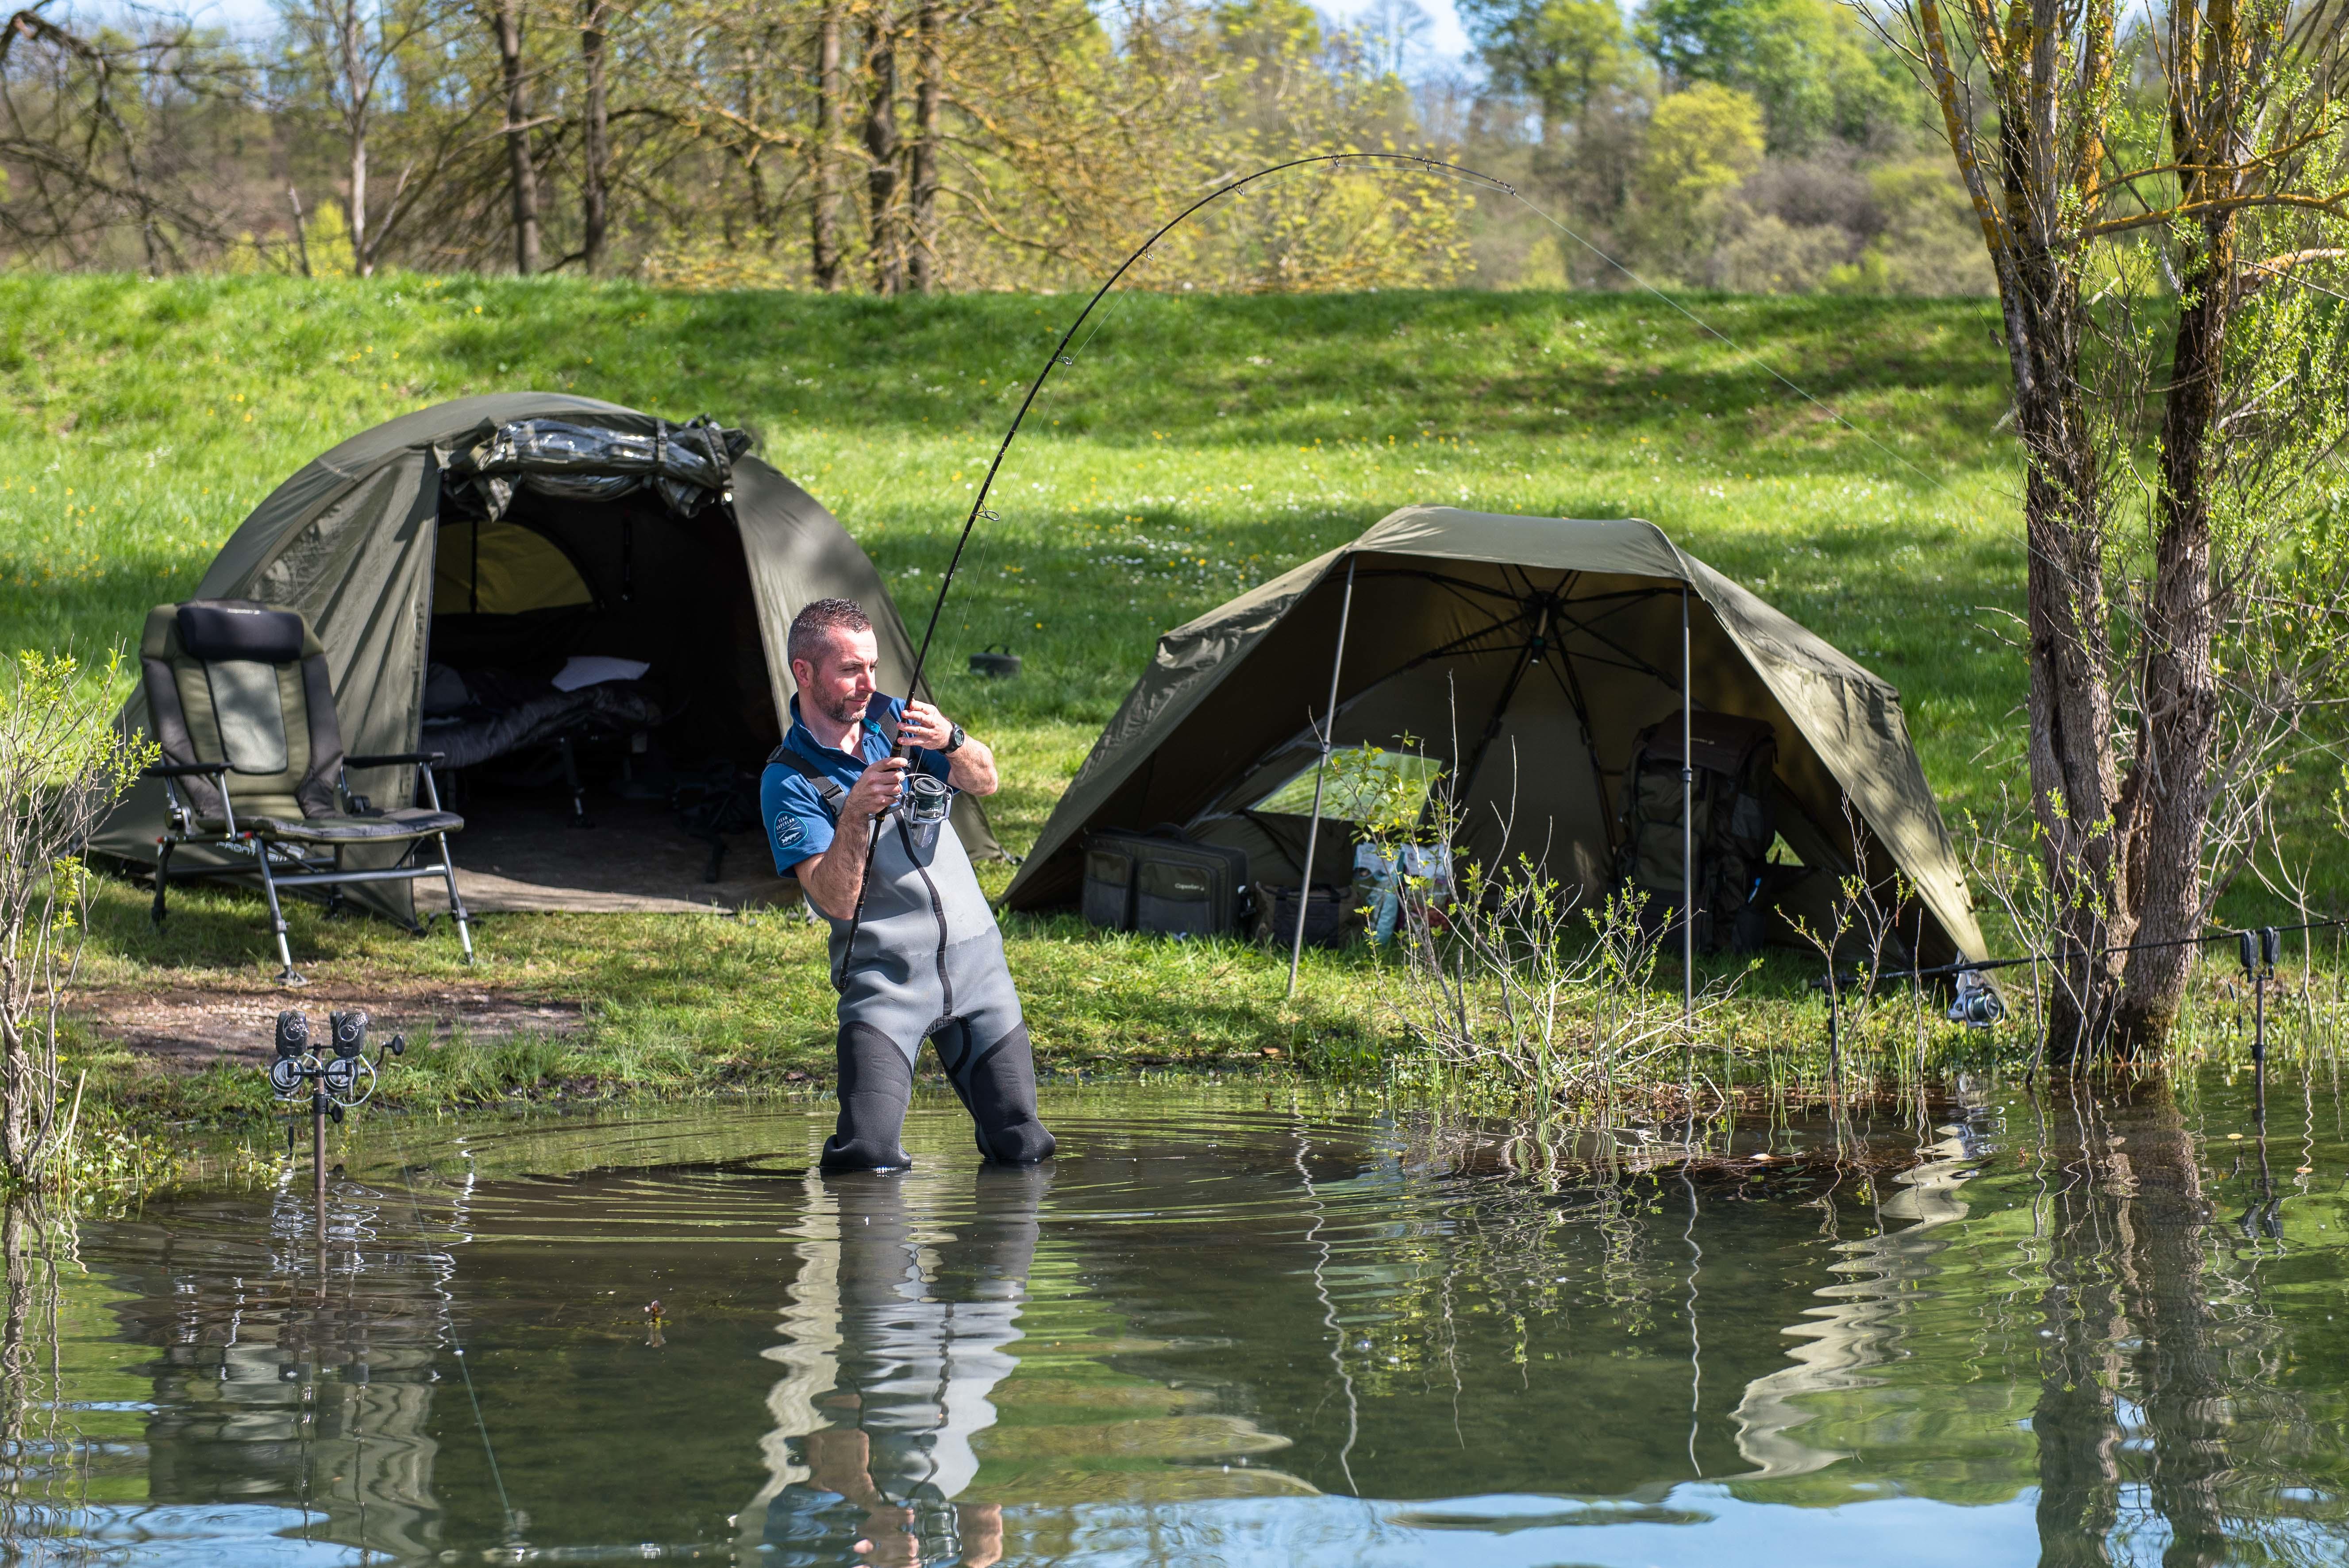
x,y
1320,768
1688,831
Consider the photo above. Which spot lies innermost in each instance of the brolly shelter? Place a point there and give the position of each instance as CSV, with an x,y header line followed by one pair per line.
x,y
1523,655
544,587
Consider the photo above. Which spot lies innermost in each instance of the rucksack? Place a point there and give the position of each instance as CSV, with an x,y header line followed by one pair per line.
x,y
1735,822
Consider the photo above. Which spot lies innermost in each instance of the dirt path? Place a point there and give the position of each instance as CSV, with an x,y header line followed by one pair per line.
x,y
186,1029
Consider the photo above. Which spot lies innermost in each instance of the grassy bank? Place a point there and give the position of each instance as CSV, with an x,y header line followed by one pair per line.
x,y
1195,446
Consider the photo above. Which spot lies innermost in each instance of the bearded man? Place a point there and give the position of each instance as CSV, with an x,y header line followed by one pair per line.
x,y
925,958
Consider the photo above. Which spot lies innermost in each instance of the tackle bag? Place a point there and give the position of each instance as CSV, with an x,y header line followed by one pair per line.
x,y
1733,800
1163,881
1328,915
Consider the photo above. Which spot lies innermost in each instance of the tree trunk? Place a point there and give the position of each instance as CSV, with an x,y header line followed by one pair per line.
x,y
880,150
927,95
823,223
2170,788
2075,772
596,145
355,128
522,174
2169,793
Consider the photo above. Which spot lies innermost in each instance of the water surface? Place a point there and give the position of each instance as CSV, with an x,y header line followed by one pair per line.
x,y
1221,1329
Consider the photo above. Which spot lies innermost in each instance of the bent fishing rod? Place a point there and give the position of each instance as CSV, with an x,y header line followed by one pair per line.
x,y
1060,357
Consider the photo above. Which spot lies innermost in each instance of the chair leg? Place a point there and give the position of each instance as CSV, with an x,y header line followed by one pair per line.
x,y
285,975
456,900
571,777
162,880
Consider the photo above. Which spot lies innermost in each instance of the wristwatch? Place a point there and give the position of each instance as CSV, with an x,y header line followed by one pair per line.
x,y
955,738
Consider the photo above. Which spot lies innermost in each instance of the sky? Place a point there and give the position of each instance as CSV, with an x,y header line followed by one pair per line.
x,y
1444,43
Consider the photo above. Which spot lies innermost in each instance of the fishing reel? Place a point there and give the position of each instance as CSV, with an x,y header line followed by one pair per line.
x,y
926,801
1976,1004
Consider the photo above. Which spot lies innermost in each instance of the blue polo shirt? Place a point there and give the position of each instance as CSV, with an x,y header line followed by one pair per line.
x,y
798,825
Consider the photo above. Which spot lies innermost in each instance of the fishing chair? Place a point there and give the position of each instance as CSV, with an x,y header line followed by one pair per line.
x,y
253,763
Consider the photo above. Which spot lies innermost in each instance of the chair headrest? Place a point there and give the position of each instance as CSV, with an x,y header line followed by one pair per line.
x,y
213,629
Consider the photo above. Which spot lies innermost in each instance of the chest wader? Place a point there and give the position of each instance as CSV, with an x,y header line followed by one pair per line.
x,y
927,963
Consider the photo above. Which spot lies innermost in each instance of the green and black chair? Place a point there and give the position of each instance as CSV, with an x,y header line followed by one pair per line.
x,y
252,766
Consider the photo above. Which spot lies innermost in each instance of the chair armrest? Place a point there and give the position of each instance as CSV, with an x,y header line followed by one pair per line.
x,y
181,770
427,758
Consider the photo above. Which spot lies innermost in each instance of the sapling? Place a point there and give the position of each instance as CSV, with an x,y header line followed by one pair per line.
x,y
62,765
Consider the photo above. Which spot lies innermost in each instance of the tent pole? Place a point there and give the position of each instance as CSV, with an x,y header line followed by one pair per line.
x,y
1320,768
1688,831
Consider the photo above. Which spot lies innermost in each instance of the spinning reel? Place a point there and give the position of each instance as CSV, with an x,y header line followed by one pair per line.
x,y
926,801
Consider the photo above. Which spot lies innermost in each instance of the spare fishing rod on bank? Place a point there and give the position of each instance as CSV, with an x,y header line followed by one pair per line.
x,y
1060,357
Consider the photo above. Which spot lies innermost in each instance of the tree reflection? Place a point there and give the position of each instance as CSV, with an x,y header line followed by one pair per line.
x,y
38,1475
2133,1414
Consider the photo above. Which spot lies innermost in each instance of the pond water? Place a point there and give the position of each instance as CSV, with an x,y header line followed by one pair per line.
x,y
1221,1329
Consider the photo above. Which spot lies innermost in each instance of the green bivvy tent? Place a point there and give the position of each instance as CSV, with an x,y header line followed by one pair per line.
x,y
1524,655
524,526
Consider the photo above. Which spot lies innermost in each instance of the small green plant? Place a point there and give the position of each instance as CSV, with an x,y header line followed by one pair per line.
x,y
1508,977
62,765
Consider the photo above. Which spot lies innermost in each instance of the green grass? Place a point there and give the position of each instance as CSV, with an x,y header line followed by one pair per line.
x,y
1196,445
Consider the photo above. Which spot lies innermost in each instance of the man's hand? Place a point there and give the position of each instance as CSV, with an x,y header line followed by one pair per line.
x,y
834,879
877,789
970,766
923,726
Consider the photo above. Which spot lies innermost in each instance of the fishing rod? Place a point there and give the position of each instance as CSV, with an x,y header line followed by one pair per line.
x,y
1060,357
1983,966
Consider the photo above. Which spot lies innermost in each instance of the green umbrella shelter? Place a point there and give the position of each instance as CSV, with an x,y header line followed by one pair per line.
x,y
1524,654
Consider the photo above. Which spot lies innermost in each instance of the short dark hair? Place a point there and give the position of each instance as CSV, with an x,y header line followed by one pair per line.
x,y
818,618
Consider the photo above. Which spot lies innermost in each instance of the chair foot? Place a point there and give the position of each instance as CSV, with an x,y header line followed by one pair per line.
x,y
162,884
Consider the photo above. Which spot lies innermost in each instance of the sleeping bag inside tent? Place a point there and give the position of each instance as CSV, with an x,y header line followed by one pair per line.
x,y
1535,664
583,609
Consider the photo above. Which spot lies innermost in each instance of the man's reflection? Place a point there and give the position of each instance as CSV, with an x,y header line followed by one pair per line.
x,y
896,1342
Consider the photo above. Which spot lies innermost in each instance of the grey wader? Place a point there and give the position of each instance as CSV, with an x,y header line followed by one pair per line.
x,y
928,962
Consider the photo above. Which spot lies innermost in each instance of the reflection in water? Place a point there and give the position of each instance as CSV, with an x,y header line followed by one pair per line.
x,y
36,1486
895,1342
296,1372
2134,1420
1867,1318
1216,1332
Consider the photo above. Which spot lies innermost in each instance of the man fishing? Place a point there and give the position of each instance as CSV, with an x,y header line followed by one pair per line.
x,y
924,959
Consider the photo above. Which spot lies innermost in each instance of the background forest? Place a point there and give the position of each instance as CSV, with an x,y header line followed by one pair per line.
x,y
889,146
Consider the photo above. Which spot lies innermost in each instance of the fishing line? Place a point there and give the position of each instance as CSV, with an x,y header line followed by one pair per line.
x,y
1734,345
456,1345
1061,355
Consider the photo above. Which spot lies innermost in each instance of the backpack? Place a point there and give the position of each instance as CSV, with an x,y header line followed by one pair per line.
x,y
1733,759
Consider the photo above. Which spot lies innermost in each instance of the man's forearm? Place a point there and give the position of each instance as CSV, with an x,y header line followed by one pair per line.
x,y
832,879
971,767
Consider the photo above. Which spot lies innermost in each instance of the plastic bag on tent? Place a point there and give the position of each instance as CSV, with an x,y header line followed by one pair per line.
x,y
686,465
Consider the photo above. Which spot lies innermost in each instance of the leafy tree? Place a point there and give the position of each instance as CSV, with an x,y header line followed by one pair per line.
x,y
1702,145
1562,54
1807,61
2168,285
